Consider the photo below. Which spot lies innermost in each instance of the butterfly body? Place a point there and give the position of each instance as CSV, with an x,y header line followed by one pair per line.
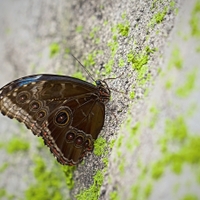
x,y
66,112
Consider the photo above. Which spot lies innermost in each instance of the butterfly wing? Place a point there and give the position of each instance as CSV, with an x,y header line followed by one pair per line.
x,y
65,111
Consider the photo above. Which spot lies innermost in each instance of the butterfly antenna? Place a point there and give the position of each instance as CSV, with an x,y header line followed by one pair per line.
x,y
87,71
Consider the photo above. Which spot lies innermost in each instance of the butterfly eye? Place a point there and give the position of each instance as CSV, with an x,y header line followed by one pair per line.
x,y
70,136
34,106
41,114
22,97
62,118
79,141
87,145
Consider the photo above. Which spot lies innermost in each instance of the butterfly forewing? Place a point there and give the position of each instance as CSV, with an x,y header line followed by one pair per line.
x,y
67,112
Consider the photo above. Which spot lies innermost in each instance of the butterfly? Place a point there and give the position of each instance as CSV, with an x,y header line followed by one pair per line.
x,y
68,113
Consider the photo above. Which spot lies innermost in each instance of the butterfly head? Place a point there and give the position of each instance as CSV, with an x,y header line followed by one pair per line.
x,y
104,91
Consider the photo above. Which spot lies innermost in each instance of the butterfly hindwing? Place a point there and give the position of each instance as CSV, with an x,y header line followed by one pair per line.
x,y
67,112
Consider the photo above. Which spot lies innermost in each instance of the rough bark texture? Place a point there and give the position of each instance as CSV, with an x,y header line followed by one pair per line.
x,y
27,30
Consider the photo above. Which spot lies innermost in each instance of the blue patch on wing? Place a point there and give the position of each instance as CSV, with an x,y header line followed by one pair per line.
x,y
28,80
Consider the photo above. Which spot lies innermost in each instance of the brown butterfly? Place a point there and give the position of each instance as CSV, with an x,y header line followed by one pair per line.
x,y
66,112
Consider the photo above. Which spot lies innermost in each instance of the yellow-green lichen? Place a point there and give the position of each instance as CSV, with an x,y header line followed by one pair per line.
x,y
189,197
79,29
16,144
168,84
111,143
188,86
113,45
49,183
90,59
3,167
54,49
123,29
100,145
114,196
93,32
132,94
176,59
137,60
133,141
147,190
121,165
4,195
198,49
187,146
195,20
154,116
68,171
121,62
93,192
108,66
79,75
158,17
157,169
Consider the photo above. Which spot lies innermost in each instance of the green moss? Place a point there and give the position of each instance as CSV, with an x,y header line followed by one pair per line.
x,y
195,20
147,190
176,129
93,32
121,165
168,84
187,146
118,144
3,167
79,75
154,117
158,17
188,86
105,22
3,193
137,60
108,66
198,49
114,196
176,59
121,62
100,145
105,161
16,144
132,94
189,152
49,183
54,49
111,143
113,45
135,129
69,170
172,4
153,5
143,76
190,197
90,60
135,192
123,29
123,15
94,191
79,29
133,141
157,169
